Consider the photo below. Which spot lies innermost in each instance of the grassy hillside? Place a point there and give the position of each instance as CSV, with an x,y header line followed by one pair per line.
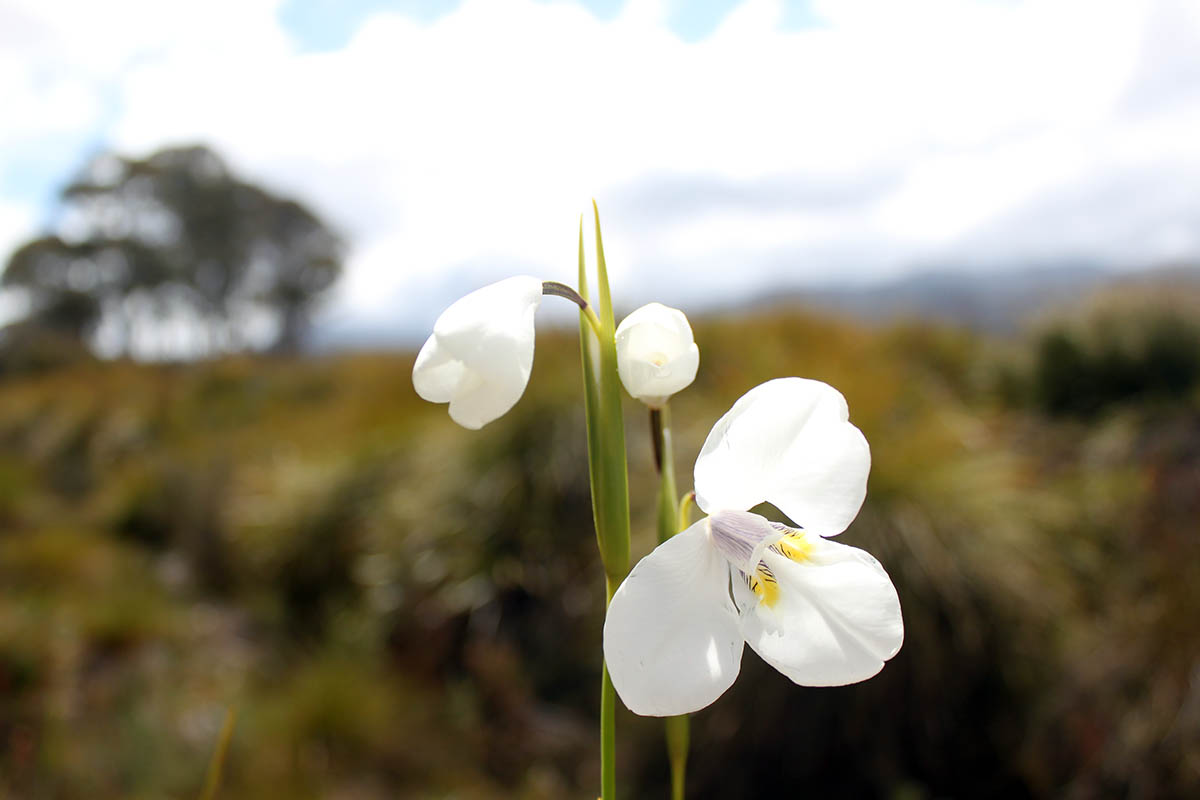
x,y
401,608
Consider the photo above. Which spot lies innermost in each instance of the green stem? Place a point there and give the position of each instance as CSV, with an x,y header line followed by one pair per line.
x,y
608,724
664,463
678,736
671,519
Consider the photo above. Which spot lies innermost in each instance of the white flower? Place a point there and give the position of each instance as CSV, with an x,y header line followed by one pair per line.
x,y
481,351
823,614
656,354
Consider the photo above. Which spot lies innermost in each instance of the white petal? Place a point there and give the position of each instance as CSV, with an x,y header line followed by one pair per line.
x,y
654,383
480,399
481,351
672,639
436,374
656,353
789,442
836,619
655,327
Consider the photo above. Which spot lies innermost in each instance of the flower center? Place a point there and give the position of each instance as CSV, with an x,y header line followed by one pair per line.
x,y
740,537
743,538
794,546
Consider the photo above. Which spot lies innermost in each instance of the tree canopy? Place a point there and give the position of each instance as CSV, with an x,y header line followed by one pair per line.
x,y
173,255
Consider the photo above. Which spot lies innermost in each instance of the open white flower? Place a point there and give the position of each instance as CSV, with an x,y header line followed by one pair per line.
x,y
822,613
481,352
656,353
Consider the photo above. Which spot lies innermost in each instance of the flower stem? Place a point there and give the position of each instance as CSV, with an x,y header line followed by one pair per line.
x,y
664,462
608,725
562,290
671,519
678,736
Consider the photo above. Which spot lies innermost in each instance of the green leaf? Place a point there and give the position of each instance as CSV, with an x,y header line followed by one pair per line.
x,y
606,309
608,471
610,481
589,352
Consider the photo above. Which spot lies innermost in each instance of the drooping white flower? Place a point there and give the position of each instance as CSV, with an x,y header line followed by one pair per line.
x,y
481,352
656,353
822,613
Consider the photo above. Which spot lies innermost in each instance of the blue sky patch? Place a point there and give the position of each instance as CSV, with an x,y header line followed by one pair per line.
x,y
324,25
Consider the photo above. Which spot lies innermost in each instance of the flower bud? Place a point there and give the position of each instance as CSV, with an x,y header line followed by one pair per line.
x,y
481,352
656,354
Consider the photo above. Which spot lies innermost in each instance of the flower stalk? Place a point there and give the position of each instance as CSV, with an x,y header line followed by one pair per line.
x,y
556,289
606,468
678,733
664,463
678,739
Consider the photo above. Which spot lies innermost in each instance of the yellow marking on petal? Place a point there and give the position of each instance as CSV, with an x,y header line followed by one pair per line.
x,y
764,584
795,546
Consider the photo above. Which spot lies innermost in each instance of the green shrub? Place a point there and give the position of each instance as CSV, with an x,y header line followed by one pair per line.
x,y
1123,347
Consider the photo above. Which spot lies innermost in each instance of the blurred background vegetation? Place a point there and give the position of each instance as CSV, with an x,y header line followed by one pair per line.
x,y
398,608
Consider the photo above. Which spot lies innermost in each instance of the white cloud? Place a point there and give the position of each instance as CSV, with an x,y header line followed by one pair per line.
x,y
16,224
460,151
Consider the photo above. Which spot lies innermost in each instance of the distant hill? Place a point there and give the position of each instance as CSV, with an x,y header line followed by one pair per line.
x,y
993,302
989,301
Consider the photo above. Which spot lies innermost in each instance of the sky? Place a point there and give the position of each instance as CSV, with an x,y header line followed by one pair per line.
x,y
734,148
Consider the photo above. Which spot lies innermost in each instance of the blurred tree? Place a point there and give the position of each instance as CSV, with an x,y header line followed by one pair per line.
x,y
173,255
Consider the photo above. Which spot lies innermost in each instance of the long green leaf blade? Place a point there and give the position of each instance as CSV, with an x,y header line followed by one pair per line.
x,y
613,511
589,347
